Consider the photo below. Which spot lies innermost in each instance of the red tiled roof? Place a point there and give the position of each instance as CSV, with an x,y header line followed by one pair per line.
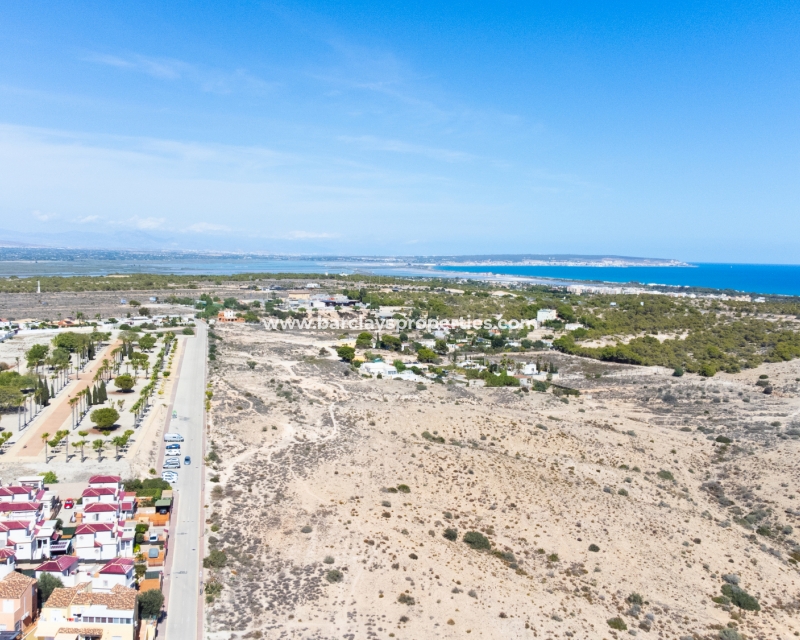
x,y
13,491
93,527
104,479
62,563
119,566
101,507
8,552
19,506
10,525
94,492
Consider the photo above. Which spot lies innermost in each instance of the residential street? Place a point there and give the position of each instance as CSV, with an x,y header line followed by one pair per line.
x,y
183,621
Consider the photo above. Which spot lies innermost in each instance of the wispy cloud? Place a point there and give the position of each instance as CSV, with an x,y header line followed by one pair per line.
x,y
87,219
307,235
207,79
44,217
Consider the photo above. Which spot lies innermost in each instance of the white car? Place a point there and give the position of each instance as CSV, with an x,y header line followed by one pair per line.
x,y
172,452
169,476
172,463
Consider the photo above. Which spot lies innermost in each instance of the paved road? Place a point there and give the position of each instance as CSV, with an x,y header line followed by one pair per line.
x,y
183,620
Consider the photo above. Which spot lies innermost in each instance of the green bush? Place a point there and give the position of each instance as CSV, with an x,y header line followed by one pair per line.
x,y
432,438
740,597
594,548
666,475
49,477
216,559
635,598
346,353
334,575
404,598
104,418
477,540
403,488
723,439
617,623
150,603
124,382
328,560
450,534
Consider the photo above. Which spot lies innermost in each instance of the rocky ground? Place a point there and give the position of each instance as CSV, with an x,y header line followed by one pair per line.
x,y
342,503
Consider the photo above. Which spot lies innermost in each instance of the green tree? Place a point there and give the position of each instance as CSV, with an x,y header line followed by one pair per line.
x,y
147,342
124,382
346,353
426,355
364,340
105,417
98,445
35,356
48,583
150,603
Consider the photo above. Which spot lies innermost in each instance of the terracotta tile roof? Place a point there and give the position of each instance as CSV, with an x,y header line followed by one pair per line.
x,y
8,552
9,525
120,598
104,479
62,563
119,566
14,585
60,598
93,527
81,631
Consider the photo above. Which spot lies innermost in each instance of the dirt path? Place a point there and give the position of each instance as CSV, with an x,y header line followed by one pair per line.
x,y
60,411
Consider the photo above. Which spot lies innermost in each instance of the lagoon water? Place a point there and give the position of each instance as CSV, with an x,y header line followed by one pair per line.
x,y
750,278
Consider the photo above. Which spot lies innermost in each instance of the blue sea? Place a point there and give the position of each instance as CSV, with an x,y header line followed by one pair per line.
x,y
749,278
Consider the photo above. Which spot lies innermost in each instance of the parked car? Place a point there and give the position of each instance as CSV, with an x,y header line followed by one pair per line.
x,y
172,463
172,452
173,437
173,446
169,476
187,461
69,503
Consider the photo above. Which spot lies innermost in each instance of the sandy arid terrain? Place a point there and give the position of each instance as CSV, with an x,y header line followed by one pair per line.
x,y
624,490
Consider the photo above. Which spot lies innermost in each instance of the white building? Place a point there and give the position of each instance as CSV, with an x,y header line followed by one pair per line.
x,y
375,368
543,315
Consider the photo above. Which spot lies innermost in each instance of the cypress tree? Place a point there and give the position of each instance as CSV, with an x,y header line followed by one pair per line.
x,y
103,395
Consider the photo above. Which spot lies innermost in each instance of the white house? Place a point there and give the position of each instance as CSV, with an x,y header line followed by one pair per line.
x,y
103,481
78,612
28,540
116,572
101,512
8,562
543,315
104,540
91,495
376,368
571,326
529,369
65,568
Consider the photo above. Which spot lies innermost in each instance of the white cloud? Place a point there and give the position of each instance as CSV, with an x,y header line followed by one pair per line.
x,y
44,217
87,219
207,227
149,223
308,235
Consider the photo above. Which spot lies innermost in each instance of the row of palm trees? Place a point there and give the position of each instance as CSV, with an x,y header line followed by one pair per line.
x,y
98,445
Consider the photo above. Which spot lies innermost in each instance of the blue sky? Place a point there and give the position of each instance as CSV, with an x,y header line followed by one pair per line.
x,y
666,130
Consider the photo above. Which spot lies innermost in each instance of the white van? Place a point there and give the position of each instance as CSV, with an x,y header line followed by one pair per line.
x,y
173,437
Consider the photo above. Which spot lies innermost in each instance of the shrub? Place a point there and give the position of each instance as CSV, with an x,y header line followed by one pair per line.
x,y
403,488
346,353
594,548
306,529
334,575
477,540
617,623
472,593
50,477
723,439
553,557
404,598
188,331
216,559
212,589
666,475
432,438
708,370
124,382
623,492
635,598
740,597
450,534
730,633
678,372
328,560
104,418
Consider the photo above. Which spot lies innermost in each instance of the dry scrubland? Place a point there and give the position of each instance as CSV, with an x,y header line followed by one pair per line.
x,y
311,456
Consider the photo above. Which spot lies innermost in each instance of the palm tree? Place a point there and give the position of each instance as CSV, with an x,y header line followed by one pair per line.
x,y
44,437
80,444
118,442
98,445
